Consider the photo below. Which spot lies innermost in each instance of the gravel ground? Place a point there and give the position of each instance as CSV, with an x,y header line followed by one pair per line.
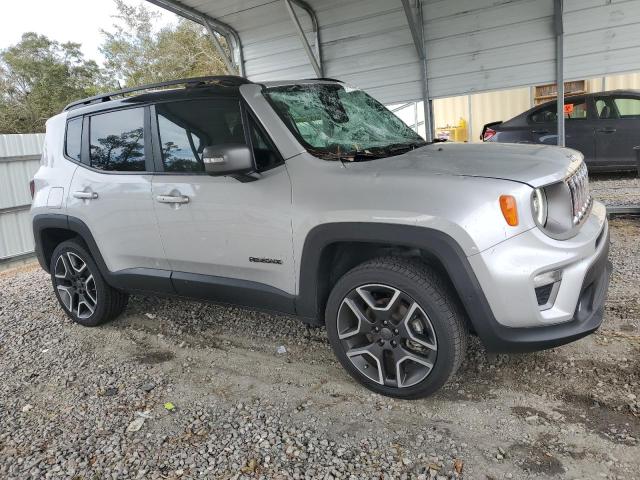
x,y
616,188
69,394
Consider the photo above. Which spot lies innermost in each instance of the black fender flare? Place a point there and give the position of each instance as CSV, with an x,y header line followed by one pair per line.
x,y
442,246
46,221
134,280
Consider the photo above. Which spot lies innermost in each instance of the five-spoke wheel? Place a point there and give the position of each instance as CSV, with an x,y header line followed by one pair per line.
x,y
80,286
387,336
395,327
76,285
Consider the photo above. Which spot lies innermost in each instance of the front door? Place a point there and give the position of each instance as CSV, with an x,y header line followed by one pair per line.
x,y
111,190
220,230
618,131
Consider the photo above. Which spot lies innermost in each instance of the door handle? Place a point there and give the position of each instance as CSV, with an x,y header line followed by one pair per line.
x,y
607,130
540,131
85,195
172,199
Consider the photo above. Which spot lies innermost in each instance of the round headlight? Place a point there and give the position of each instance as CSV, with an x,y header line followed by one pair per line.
x,y
539,206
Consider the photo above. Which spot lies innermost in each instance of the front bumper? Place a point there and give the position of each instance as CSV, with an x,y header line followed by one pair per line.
x,y
506,275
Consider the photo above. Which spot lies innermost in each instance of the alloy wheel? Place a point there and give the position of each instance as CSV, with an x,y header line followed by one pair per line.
x,y
76,285
386,335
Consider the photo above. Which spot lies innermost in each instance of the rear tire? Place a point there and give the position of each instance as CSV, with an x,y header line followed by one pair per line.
x,y
81,290
396,327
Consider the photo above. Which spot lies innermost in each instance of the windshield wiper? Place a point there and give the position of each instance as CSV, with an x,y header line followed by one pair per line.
x,y
403,147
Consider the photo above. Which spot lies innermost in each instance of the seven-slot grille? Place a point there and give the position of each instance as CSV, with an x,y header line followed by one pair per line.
x,y
578,183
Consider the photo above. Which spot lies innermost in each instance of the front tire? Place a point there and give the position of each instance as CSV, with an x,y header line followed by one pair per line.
x,y
81,290
396,327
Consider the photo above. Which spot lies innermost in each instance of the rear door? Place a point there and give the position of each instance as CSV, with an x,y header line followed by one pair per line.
x,y
222,228
618,131
111,189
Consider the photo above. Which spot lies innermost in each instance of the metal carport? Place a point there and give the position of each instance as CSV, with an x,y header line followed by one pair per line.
x,y
408,50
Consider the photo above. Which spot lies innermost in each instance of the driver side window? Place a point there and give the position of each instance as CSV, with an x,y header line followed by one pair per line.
x,y
187,127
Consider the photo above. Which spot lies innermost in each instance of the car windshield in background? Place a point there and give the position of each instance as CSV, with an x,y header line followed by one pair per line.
x,y
338,122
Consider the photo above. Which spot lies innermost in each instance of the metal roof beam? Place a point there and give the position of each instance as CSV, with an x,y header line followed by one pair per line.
x,y
228,61
229,33
558,23
314,59
416,26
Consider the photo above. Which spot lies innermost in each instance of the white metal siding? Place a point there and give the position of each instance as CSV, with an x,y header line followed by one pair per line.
x,y
472,46
488,44
19,160
16,235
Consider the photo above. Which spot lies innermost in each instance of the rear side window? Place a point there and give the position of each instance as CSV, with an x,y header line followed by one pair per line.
x,y
574,109
73,139
117,140
186,128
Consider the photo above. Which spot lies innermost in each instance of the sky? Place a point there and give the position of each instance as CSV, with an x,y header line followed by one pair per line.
x,y
64,20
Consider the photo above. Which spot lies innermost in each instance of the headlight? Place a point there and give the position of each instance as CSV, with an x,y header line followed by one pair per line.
x,y
539,206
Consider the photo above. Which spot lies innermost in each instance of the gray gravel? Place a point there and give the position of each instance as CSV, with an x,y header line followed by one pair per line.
x,y
68,395
616,188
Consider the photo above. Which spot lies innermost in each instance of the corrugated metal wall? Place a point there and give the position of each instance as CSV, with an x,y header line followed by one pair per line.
x,y
472,46
489,44
19,160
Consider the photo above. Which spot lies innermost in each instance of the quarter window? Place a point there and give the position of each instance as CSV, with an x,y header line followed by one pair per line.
x,y
544,115
186,128
73,138
264,151
117,140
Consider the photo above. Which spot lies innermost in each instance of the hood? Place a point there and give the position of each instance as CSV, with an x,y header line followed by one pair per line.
x,y
535,165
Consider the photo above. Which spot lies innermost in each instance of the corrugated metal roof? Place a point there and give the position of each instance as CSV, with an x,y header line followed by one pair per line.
x,y
471,46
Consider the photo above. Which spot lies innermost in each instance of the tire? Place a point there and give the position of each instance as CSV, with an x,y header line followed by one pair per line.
x,y
81,290
424,340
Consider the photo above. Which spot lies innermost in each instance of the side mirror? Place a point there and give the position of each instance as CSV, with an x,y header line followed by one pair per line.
x,y
227,159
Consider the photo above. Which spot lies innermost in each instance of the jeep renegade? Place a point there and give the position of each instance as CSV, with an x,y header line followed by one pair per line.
x,y
311,198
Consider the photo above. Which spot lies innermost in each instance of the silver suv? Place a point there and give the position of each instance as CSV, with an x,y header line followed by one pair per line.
x,y
312,199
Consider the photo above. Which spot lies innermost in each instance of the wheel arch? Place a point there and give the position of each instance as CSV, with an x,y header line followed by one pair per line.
x,y
331,250
49,230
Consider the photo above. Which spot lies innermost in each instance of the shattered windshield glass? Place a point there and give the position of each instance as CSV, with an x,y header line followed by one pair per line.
x,y
340,123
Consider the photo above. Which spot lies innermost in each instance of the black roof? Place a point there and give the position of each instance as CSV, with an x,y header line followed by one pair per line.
x,y
219,84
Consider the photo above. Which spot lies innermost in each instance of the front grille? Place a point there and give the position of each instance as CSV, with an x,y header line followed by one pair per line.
x,y
578,183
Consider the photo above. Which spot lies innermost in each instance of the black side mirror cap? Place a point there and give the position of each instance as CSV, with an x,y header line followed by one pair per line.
x,y
228,159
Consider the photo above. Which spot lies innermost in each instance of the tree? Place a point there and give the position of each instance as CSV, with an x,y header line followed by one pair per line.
x,y
38,77
135,54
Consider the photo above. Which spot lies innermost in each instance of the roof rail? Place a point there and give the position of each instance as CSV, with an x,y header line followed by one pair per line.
x,y
222,80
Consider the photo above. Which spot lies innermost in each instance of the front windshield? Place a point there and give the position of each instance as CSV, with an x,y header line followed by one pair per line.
x,y
337,122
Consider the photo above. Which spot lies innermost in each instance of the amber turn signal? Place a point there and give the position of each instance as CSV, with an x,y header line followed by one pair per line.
x,y
509,209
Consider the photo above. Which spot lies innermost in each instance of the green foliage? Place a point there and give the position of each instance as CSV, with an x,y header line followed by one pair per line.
x,y
136,54
38,77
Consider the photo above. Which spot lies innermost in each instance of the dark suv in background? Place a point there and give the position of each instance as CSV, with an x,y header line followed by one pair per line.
x,y
604,126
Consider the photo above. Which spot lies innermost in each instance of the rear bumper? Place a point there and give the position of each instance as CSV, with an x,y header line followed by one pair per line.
x,y
587,316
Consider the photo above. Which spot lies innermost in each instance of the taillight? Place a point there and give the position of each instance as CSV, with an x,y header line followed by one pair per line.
x,y
32,188
488,133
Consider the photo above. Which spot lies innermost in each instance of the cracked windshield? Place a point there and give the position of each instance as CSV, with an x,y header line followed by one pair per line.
x,y
337,122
